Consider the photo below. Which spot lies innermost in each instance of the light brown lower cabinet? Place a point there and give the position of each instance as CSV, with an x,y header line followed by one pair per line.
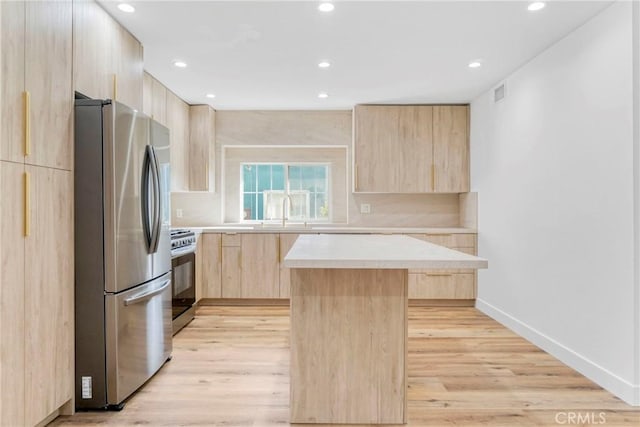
x,y
36,293
445,284
231,266
250,265
260,266
209,264
442,286
286,242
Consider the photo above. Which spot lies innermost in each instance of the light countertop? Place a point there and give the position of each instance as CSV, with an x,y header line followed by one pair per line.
x,y
376,252
330,229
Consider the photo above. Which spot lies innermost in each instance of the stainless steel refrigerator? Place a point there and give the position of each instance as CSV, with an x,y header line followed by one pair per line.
x,y
122,251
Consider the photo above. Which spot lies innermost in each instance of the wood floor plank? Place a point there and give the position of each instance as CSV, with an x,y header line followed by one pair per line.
x,y
230,367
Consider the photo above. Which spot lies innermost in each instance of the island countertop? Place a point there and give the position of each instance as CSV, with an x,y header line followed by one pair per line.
x,y
375,252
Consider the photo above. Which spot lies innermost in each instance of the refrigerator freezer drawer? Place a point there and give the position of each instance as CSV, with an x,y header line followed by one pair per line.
x,y
138,336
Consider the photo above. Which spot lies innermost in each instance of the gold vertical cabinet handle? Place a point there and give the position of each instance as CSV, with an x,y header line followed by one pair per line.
x,y
279,253
27,204
27,123
220,251
115,87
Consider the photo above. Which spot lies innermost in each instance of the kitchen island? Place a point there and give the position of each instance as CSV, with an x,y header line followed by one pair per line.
x,y
349,324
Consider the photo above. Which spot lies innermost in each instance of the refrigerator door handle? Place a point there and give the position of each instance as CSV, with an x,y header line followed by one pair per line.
x,y
135,299
155,171
145,196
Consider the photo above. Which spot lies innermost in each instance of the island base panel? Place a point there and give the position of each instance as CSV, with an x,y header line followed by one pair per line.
x,y
348,346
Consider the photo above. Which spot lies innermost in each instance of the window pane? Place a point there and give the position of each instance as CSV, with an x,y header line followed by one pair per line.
x,y
249,177
294,178
264,178
322,206
265,187
277,177
249,206
321,178
259,207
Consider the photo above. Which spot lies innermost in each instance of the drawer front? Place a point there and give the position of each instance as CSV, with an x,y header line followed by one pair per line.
x,y
442,285
231,239
138,334
452,241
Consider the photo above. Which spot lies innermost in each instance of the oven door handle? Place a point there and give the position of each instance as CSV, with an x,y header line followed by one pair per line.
x,y
136,299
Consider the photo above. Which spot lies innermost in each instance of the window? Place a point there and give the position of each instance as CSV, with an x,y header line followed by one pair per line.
x,y
303,190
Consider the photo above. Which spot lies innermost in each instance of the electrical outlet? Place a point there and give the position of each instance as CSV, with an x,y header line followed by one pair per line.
x,y
365,208
178,213
87,388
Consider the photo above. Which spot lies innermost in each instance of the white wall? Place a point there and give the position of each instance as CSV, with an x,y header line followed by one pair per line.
x,y
553,164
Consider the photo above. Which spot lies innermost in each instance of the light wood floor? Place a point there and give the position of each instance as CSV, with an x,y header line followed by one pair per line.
x,y
230,368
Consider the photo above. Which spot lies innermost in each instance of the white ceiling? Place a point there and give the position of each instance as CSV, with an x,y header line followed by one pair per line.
x,y
264,54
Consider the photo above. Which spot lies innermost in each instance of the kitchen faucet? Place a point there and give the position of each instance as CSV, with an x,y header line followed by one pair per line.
x,y
284,203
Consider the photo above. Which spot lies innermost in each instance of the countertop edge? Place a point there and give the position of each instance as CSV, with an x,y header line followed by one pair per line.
x,y
337,230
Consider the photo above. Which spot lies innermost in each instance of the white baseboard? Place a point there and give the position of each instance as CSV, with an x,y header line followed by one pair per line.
x,y
619,387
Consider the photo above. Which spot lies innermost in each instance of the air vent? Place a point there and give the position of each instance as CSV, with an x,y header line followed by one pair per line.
x,y
498,93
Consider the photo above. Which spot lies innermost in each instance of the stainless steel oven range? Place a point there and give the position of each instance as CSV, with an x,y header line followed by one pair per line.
x,y
183,282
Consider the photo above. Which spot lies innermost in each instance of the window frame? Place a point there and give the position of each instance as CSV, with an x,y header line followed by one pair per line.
x,y
287,192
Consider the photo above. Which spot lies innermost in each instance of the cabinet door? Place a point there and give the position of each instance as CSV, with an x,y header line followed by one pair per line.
x,y
211,265
49,293
12,297
93,32
147,94
48,74
442,286
286,242
201,147
12,31
231,272
260,266
158,102
393,148
128,65
178,124
451,148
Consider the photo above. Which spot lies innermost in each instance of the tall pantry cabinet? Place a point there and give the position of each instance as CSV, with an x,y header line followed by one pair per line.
x,y
36,211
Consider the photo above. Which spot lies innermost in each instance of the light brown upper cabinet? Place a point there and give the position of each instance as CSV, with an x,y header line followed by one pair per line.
x,y
93,72
128,65
36,92
178,123
158,102
451,148
393,148
202,134
411,149
147,94
107,59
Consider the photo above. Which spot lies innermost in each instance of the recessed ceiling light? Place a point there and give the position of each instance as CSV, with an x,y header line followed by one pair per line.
x,y
323,95
475,64
536,5
324,64
126,7
180,64
326,7
211,95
